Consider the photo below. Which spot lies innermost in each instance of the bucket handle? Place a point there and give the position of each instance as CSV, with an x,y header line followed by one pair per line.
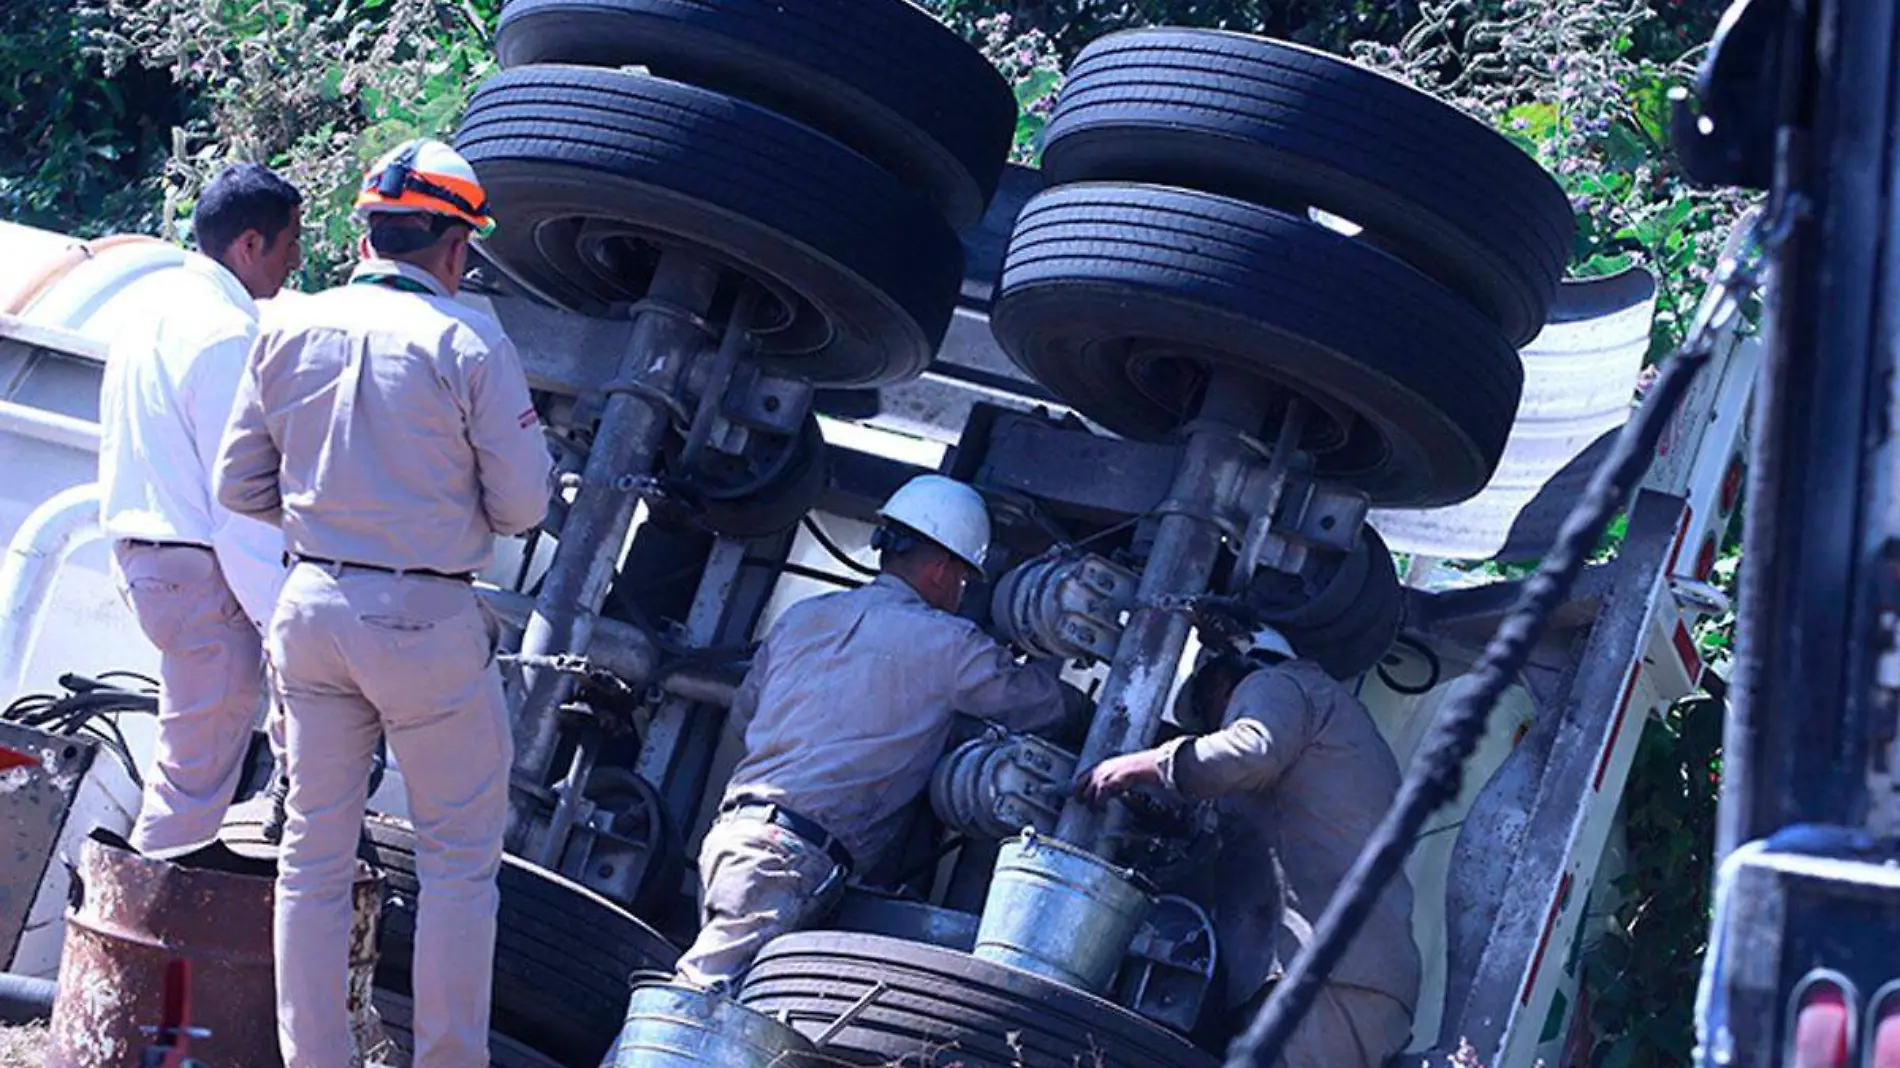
x,y
850,1015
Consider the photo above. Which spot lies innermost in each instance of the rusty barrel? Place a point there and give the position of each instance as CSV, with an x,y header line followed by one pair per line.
x,y
132,915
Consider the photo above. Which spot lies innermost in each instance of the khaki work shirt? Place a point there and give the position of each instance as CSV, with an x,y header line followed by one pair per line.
x,y
1302,776
850,701
385,426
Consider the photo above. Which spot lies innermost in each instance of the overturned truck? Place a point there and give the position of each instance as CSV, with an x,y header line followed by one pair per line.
x,y
1261,320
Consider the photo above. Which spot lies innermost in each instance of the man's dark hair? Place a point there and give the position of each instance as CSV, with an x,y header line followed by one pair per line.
x,y
896,542
1210,688
243,196
392,234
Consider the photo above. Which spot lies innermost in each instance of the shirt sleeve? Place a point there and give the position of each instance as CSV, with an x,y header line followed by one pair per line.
x,y
511,455
246,470
990,684
745,700
1270,722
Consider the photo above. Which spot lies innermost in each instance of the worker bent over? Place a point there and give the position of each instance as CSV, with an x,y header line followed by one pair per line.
x,y
389,430
1302,776
846,710
195,575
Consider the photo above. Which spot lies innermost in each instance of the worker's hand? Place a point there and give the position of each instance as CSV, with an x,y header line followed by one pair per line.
x,y
1118,775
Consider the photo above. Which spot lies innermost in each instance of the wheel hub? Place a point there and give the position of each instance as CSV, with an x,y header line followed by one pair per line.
x,y
1177,378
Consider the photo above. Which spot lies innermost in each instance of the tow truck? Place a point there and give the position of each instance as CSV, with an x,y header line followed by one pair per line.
x,y
759,277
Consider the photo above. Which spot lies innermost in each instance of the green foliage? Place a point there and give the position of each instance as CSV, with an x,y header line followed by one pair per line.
x,y
315,90
1567,81
76,145
1641,975
1071,24
1026,59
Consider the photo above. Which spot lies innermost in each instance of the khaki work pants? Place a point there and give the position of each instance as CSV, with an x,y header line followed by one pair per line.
x,y
757,881
211,674
359,654
1347,1027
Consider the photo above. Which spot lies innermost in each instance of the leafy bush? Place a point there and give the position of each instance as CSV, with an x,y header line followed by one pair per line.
x,y
1071,24
77,146
316,91
1027,59
1566,80
1643,973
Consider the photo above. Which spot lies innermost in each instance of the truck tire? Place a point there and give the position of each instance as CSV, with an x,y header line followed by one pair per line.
x,y
943,1008
562,953
882,76
1286,126
1121,300
399,1011
593,172
1350,642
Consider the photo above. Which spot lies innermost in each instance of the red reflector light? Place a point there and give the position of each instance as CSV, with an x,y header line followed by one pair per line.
x,y
1820,1028
1886,1037
1731,485
13,758
1705,559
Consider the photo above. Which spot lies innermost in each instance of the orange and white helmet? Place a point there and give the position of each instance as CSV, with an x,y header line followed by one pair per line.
x,y
425,176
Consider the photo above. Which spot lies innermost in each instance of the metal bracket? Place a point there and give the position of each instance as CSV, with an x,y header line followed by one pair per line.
x,y
760,400
1883,718
1306,515
1170,965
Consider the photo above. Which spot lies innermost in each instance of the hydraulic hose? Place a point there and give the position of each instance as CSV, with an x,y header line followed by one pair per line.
x,y
24,999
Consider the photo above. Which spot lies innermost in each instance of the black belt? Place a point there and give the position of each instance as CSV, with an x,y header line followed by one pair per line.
x,y
803,826
320,561
153,543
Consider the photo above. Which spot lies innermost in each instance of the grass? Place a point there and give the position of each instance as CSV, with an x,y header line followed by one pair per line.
x,y
23,1047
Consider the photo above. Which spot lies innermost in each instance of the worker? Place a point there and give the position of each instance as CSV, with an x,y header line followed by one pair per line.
x,y
388,429
1301,776
845,711
199,579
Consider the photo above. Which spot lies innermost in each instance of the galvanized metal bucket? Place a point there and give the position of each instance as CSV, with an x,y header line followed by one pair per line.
x,y
671,1025
133,915
1060,913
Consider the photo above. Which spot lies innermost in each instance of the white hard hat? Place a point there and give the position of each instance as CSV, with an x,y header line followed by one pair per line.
x,y
945,511
1265,640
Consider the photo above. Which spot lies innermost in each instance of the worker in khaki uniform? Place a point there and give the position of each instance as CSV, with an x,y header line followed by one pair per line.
x,y
199,579
388,429
1301,776
845,711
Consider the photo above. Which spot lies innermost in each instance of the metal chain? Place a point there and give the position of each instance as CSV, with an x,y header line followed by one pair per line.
x,y
575,665
647,487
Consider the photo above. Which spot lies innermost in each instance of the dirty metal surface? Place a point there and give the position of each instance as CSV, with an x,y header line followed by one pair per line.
x,y
133,915
40,774
1539,824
